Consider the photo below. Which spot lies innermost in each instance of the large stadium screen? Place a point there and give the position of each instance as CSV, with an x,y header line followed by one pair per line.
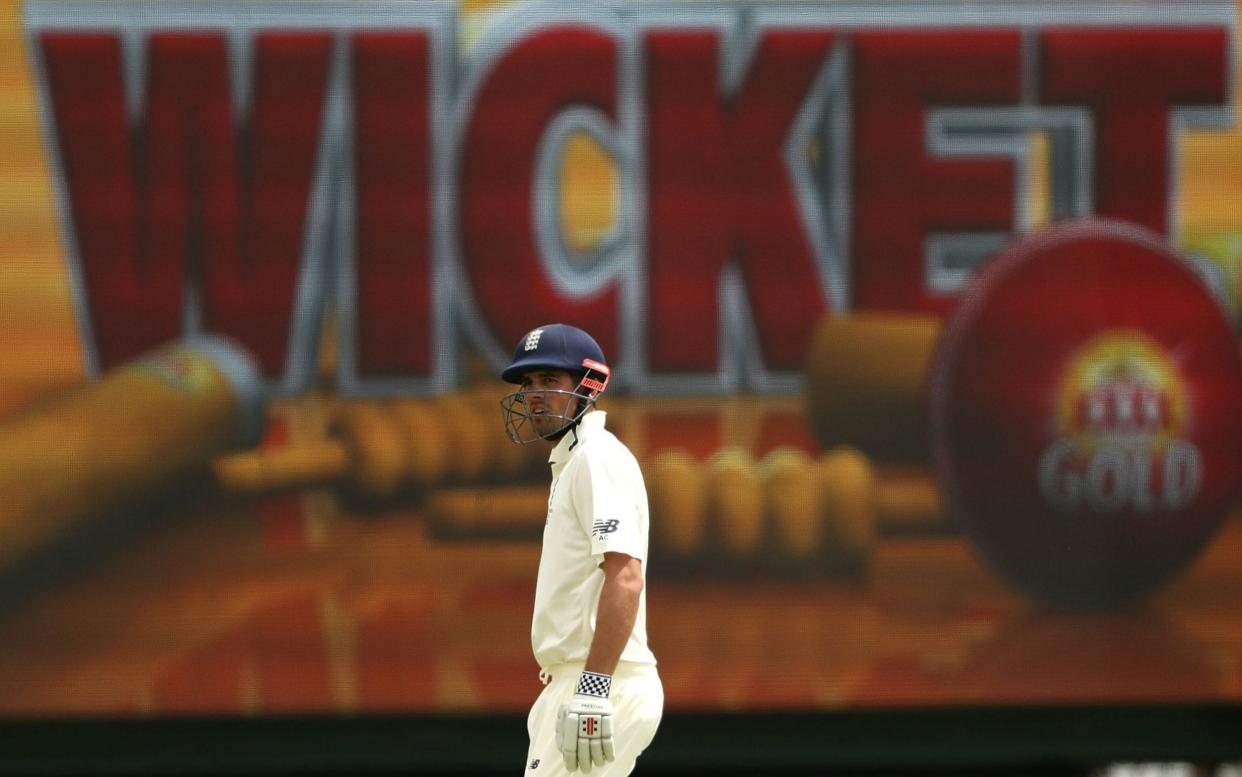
x,y
922,321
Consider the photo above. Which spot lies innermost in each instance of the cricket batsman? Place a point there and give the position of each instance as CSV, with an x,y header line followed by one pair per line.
x,y
602,698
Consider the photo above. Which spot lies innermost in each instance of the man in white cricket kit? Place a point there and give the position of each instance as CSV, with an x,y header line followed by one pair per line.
x,y
602,698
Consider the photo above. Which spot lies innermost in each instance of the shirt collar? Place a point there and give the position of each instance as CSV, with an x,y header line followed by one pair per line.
x,y
566,446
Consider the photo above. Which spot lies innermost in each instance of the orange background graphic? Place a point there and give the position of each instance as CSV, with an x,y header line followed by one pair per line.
x,y
390,566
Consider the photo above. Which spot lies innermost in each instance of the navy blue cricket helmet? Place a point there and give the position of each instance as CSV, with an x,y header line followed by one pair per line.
x,y
526,414
557,347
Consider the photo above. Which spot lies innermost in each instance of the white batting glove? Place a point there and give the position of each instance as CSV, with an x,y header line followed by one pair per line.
x,y
584,726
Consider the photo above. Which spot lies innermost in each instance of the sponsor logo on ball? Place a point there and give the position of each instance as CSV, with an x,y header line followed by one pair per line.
x,y
1121,413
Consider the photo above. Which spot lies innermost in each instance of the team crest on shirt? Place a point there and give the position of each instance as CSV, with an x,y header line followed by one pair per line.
x,y
602,527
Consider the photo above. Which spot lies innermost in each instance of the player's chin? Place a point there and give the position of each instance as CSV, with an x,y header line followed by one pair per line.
x,y
547,425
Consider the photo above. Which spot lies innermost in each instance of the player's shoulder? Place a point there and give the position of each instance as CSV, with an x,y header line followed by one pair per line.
x,y
606,445
608,454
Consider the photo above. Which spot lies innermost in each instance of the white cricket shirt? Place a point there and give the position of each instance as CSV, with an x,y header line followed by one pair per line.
x,y
597,504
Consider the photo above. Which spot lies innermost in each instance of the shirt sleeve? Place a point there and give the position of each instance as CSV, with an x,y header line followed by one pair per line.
x,y
609,500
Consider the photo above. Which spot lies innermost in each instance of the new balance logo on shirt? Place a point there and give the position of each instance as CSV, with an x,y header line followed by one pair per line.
x,y
603,527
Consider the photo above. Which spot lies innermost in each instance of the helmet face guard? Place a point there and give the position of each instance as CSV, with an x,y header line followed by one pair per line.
x,y
524,424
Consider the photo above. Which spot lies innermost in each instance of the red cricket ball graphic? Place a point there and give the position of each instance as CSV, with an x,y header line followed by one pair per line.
x,y
1086,413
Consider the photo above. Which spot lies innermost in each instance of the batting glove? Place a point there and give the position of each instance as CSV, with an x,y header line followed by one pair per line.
x,y
584,726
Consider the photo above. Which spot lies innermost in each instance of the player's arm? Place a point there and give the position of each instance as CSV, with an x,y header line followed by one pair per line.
x,y
618,609
585,727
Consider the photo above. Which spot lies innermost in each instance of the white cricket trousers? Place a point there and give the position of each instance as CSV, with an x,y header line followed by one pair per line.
x,y
637,698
